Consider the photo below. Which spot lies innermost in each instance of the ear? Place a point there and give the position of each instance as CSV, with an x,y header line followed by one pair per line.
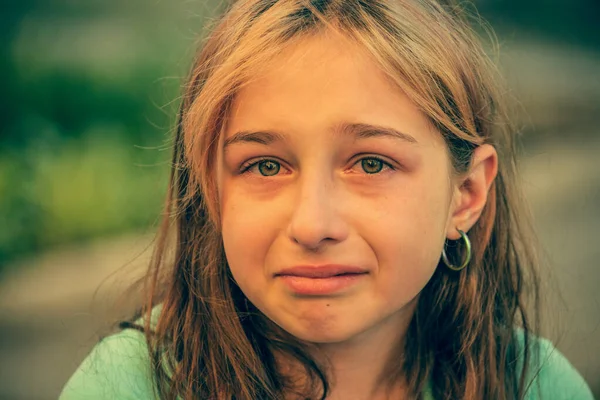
x,y
471,190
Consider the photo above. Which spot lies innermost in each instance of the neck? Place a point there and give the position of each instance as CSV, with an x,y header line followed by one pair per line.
x,y
364,367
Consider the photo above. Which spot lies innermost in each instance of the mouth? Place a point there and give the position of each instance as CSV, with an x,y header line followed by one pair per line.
x,y
323,285
322,271
323,276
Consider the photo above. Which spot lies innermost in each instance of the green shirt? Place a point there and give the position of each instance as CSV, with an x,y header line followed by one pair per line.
x,y
118,368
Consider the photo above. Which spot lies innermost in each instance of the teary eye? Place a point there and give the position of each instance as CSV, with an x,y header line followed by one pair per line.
x,y
369,163
269,167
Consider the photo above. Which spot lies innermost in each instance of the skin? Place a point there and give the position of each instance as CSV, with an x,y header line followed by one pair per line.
x,y
318,204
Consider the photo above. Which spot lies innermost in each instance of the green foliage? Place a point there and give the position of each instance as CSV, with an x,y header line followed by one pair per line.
x,y
89,100
87,187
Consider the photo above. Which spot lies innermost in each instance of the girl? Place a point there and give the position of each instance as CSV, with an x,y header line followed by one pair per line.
x,y
343,220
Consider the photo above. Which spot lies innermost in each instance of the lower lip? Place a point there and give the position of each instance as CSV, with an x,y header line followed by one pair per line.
x,y
320,286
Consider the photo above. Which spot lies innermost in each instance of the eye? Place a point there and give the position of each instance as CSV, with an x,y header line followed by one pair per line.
x,y
269,167
373,165
266,165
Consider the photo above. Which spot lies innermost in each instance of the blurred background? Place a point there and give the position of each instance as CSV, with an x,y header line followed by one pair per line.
x,y
89,93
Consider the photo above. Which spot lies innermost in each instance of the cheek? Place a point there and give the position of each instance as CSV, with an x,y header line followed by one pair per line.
x,y
407,263
236,226
409,242
244,242
241,253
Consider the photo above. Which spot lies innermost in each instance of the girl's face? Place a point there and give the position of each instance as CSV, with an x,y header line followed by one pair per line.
x,y
332,189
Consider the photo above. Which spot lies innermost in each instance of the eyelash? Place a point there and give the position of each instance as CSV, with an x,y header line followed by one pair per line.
x,y
246,166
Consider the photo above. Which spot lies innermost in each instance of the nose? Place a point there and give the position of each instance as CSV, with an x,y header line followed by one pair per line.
x,y
316,217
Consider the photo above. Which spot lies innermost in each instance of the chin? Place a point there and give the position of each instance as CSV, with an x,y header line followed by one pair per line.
x,y
321,333
317,324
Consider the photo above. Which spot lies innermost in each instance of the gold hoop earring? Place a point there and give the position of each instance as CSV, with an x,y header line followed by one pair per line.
x,y
465,238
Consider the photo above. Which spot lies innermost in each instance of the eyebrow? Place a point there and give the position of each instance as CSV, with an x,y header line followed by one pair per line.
x,y
357,131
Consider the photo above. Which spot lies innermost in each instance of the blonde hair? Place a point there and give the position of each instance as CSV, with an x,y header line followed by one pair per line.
x,y
210,342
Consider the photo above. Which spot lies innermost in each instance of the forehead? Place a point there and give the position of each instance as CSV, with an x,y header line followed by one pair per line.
x,y
322,81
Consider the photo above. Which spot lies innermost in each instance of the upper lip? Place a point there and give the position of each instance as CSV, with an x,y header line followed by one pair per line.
x,y
321,271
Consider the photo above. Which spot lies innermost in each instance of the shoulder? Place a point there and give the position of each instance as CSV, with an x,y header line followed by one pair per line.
x,y
118,367
550,375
